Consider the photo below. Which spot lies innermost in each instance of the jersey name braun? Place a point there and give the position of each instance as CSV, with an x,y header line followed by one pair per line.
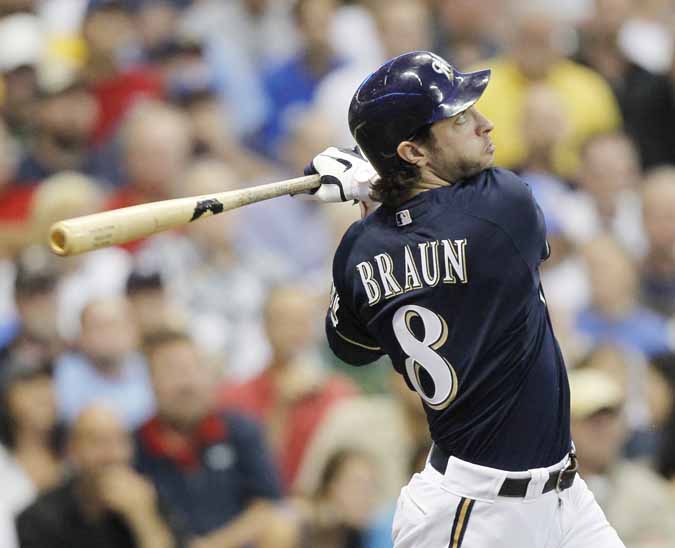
x,y
447,285
422,269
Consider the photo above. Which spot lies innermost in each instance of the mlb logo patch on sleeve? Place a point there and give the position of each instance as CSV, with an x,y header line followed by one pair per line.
x,y
403,217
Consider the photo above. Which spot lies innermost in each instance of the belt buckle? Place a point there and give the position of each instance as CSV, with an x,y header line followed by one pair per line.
x,y
566,475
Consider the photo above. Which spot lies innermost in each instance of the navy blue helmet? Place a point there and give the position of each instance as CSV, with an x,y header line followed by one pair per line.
x,y
405,94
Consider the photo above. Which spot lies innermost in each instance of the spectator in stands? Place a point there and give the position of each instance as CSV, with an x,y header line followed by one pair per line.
x,y
220,284
536,56
31,456
64,122
645,98
106,503
392,429
635,500
666,455
293,396
156,146
341,509
607,199
292,85
34,333
152,307
212,466
22,44
82,277
466,31
614,315
156,22
240,37
193,85
108,31
658,217
106,367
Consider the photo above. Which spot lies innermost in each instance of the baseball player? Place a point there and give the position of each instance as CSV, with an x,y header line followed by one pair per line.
x,y
443,277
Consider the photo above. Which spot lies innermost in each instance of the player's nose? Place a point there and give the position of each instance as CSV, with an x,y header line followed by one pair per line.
x,y
483,125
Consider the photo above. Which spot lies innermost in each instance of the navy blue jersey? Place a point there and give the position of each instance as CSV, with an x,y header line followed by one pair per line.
x,y
447,285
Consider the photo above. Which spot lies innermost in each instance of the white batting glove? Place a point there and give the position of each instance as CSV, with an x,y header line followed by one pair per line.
x,y
345,175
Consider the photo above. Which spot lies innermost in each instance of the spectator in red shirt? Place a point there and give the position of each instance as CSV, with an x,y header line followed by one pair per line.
x,y
293,395
108,29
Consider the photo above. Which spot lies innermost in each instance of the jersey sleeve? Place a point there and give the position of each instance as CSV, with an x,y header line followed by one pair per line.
x,y
516,211
348,337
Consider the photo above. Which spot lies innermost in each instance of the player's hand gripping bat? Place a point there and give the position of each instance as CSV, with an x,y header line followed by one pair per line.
x,y
118,226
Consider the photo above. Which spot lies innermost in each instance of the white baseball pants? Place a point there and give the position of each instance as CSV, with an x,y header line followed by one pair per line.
x,y
462,509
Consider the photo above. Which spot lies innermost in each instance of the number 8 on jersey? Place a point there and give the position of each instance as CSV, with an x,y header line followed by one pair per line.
x,y
422,354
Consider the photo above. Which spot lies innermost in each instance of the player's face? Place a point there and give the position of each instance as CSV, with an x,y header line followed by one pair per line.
x,y
461,146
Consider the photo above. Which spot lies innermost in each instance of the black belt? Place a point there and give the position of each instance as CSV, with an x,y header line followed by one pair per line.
x,y
560,480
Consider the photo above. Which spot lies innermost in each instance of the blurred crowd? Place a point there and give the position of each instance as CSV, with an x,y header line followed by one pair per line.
x,y
178,391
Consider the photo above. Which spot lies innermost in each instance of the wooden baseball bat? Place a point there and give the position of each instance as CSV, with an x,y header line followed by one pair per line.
x,y
119,226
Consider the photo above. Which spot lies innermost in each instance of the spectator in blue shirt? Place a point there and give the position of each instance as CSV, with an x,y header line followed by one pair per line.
x,y
106,368
615,316
291,86
213,467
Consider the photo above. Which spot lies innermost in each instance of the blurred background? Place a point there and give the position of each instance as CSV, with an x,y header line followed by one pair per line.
x,y
178,391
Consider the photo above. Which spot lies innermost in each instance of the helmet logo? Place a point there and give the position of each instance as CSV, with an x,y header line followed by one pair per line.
x,y
442,67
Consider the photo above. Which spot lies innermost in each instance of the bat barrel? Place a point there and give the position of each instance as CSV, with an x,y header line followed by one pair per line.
x,y
118,226
58,240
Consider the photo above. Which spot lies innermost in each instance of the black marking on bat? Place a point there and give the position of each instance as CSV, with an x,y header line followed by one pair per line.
x,y
212,205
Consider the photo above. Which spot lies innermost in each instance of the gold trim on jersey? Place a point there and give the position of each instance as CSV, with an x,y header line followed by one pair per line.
x,y
357,343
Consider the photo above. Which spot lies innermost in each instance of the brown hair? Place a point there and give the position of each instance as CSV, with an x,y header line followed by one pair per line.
x,y
393,188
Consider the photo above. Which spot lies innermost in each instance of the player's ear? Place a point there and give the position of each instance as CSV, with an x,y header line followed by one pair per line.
x,y
412,153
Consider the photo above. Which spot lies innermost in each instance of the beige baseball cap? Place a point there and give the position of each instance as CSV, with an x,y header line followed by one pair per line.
x,y
592,390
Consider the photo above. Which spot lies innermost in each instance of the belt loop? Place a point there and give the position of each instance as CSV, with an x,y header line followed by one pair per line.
x,y
537,482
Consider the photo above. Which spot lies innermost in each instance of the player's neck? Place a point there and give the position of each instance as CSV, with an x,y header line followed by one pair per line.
x,y
428,181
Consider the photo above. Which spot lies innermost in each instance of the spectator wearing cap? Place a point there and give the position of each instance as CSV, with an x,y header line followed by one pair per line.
x,y
106,367
105,503
34,332
212,466
658,218
31,452
635,500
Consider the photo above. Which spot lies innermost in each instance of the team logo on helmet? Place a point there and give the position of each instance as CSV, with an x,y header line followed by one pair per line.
x,y
441,66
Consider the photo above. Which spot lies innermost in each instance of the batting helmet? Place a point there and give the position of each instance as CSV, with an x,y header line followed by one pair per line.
x,y
405,94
